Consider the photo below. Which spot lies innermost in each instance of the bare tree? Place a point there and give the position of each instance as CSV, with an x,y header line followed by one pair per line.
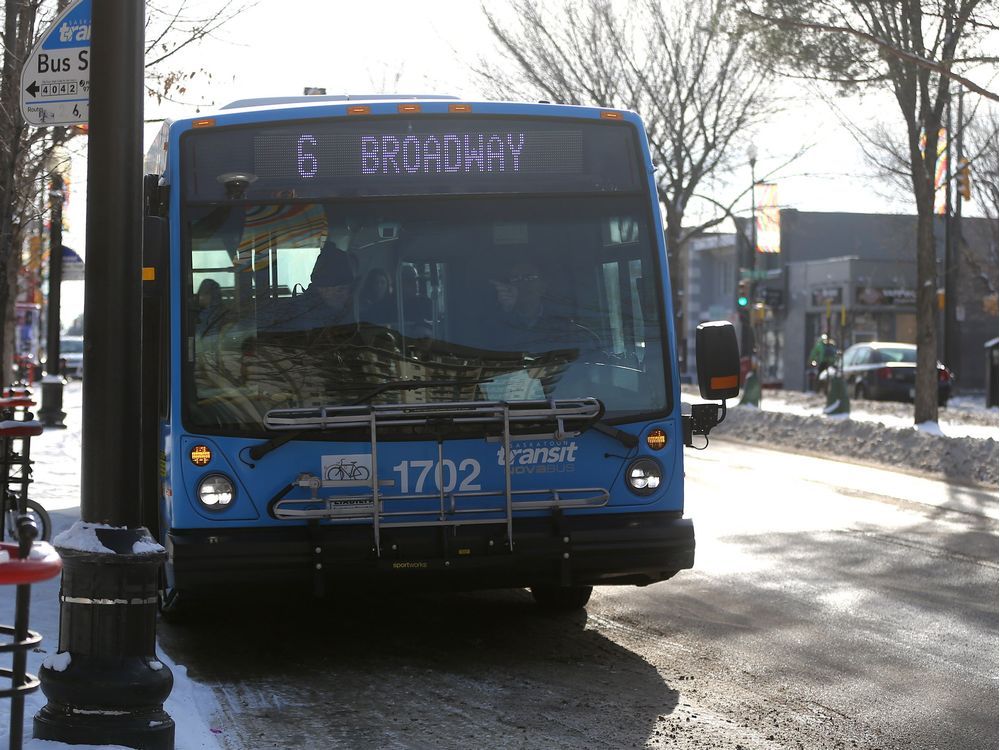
x,y
915,49
981,150
173,27
682,66
26,153
15,150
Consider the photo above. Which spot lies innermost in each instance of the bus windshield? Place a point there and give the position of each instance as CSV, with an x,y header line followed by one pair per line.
x,y
340,262
312,304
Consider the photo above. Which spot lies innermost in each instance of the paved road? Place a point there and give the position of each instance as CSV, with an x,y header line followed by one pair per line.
x,y
832,606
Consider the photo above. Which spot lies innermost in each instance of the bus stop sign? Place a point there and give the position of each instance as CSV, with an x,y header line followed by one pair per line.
x,y
55,80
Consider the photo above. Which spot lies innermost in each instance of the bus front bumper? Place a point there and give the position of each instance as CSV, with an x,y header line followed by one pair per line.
x,y
624,548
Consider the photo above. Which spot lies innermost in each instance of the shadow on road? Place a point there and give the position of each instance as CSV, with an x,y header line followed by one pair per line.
x,y
895,628
430,671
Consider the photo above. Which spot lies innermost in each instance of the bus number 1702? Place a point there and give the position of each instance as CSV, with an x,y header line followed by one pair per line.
x,y
463,475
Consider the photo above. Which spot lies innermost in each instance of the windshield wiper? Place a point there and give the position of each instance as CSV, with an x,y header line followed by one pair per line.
x,y
625,438
262,449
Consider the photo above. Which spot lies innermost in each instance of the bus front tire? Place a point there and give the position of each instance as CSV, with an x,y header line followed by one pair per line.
x,y
561,598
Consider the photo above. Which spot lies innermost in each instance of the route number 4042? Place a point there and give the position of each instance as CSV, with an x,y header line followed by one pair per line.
x,y
463,475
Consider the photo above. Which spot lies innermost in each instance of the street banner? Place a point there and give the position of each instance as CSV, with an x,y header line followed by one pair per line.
x,y
768,218
940,170
941,174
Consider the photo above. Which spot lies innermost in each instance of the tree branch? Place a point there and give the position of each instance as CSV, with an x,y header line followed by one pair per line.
x,y
886,47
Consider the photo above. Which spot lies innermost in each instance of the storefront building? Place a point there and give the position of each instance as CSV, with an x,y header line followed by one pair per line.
x,y
851,275
852,300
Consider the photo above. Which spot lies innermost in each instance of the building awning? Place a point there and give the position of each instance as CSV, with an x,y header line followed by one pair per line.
x,y
72,265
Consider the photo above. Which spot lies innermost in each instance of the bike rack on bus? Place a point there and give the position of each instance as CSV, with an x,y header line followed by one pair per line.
x,y
570,418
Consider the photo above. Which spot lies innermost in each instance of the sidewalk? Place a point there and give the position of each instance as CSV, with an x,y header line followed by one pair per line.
x,y
56,486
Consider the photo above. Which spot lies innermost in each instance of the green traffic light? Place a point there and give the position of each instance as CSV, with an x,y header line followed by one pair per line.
x,y
742,301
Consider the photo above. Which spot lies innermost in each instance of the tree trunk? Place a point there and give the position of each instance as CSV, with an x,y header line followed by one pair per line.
x,y
19,25
923,162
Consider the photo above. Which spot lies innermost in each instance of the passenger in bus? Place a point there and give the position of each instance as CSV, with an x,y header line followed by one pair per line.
x,y
211,313
376,301
329,299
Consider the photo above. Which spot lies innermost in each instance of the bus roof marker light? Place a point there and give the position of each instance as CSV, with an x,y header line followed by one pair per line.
x,y
200,455
407,108
359,109
608,115
459,107
206,123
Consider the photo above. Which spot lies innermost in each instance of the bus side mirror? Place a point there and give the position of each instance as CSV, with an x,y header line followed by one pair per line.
x,y
718,356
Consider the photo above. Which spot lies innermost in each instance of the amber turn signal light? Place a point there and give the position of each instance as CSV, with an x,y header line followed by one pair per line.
x,y
200,455
656,439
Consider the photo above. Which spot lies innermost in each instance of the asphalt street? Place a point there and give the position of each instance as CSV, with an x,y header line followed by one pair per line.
x,y
831,606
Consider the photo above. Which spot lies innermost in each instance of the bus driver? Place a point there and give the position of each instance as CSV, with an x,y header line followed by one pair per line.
x,y
523,319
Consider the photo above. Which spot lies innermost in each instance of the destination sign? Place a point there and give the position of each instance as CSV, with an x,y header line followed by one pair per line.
x,y
309,156
412,157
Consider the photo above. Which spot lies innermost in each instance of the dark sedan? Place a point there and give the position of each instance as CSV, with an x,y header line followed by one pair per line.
x,y
886,371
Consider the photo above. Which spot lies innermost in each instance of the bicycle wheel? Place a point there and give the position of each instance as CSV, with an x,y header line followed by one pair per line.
x,y
40,516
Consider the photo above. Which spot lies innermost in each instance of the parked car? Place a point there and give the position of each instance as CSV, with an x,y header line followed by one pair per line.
x,y
71,356
886,371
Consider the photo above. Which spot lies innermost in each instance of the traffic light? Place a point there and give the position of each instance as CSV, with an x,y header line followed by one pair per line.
x,y
743,294
963,179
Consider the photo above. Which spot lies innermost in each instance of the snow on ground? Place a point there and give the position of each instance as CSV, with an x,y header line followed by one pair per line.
x,y
875,432
57,486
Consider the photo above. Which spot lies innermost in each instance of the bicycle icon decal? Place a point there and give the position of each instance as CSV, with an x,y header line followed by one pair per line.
x,y
347,468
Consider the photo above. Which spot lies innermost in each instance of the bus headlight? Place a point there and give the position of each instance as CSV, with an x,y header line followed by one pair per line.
x,y
643,476
216,492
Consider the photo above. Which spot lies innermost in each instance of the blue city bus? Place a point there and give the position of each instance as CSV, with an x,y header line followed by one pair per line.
x,y
415,341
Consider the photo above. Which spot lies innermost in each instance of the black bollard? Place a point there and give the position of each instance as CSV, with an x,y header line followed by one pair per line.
x,y
113,689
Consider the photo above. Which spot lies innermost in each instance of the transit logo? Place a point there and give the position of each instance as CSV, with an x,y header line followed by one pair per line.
x,y
541,457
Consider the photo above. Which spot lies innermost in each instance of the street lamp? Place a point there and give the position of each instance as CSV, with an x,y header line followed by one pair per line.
x,y
51,413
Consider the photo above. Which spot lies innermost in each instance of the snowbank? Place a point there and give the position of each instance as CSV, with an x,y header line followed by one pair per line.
x,y
968,460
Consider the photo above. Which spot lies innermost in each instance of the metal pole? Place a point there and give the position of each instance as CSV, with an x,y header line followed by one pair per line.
x,y
51,413
113,690
952,264
755,266
943,341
